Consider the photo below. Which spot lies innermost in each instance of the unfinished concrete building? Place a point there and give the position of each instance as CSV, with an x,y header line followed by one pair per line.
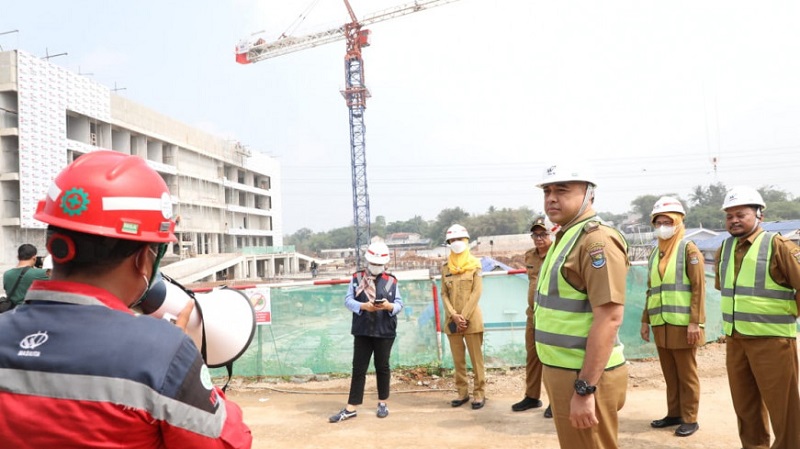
x,y
227,200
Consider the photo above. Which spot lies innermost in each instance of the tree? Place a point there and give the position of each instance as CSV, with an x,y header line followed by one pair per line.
x,y
782,210
379,227
772,195
643,205
501,222
708,217
417,225
444,220
713,195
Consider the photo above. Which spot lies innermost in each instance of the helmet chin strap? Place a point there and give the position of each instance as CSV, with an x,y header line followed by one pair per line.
x,y
587,197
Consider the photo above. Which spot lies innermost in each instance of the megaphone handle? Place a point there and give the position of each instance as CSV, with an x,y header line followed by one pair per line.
x,y
229,367
203,347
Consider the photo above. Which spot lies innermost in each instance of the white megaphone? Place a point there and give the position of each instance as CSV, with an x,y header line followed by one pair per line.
x,y
222,323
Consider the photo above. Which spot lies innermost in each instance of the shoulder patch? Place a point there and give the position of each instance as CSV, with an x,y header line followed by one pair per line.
x,y
597,254
694,260
591,226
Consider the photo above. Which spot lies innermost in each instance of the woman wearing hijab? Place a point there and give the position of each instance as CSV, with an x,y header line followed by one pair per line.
x,y
675,311
461,291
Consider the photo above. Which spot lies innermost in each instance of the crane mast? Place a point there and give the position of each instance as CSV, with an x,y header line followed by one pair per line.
x,y
355,92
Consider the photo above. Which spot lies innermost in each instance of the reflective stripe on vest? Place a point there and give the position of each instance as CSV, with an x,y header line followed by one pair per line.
x,y
670,300
564,314
753,303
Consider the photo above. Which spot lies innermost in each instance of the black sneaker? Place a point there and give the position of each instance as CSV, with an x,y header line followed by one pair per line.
x,y
548,413
343,415
526,403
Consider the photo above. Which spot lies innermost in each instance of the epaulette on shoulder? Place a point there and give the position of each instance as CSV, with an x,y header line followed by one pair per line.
x,y
591,226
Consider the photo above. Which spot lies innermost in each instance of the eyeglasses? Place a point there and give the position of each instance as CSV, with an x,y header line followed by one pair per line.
x,y
536,235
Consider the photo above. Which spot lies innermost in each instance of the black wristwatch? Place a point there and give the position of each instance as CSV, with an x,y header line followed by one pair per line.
x,y
583,388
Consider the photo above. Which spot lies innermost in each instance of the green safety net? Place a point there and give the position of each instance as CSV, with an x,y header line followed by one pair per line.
x,y
310,327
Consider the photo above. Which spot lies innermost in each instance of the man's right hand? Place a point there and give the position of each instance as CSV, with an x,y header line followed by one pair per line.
x,y
645,332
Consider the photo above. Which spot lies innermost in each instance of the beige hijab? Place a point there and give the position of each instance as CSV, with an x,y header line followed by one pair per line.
x,y
666,247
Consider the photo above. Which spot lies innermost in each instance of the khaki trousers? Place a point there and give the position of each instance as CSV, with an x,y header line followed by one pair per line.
x,y
609,399
533,366
683,383
762,374
474,344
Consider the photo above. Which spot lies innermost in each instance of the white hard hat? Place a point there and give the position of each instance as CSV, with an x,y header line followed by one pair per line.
x,y
566,172
743,196
377,253
456,232
667,204
47,263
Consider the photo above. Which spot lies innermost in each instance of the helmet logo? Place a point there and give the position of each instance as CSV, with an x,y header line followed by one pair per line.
x,y
551,170
166,205
75,201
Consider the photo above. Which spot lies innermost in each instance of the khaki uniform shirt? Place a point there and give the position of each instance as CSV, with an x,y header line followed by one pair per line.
x,y
461,294
784,266
674,337
533,264
597,264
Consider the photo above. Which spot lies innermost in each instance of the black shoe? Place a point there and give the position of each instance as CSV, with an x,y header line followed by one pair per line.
x,y
549,412
459,402
525,404
686,429
478,405
666,421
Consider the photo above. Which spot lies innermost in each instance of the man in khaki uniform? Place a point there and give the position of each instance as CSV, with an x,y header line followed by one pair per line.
x,y
534,257
758,275
461,292
579,309
676,310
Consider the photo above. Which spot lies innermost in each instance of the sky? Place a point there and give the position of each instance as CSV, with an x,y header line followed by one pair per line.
x,y
471,100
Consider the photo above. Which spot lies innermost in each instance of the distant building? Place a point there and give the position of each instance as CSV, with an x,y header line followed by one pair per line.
x,y
407,241
227,199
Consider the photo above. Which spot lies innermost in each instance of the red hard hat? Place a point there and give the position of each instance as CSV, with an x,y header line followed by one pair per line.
x,y
110,194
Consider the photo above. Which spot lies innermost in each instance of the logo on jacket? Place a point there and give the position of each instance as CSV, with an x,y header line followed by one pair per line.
x,y
31,342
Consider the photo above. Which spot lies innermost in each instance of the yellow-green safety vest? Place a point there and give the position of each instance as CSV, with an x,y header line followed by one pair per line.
x,y
564,314
753,303
670,299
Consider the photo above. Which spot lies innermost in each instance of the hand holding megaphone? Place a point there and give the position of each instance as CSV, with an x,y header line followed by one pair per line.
x,y
221,322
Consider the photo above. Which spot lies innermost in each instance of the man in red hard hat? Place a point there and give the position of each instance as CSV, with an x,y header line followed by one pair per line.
x,y
81,370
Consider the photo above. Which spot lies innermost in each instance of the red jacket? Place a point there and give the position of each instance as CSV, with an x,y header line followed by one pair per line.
x,y
79,370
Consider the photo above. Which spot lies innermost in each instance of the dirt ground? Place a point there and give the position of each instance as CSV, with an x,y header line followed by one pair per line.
x,y
295,415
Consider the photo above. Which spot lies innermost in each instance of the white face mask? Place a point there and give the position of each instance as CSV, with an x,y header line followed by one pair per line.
x,y
665,232
375,269
458,246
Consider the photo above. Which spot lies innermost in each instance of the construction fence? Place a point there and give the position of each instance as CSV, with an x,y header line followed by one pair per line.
x,y
309,327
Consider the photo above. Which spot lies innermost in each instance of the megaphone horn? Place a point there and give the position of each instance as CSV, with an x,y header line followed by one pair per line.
x,y
222,324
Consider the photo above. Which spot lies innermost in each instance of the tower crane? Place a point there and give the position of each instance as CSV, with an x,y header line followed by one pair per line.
x,y
355,92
